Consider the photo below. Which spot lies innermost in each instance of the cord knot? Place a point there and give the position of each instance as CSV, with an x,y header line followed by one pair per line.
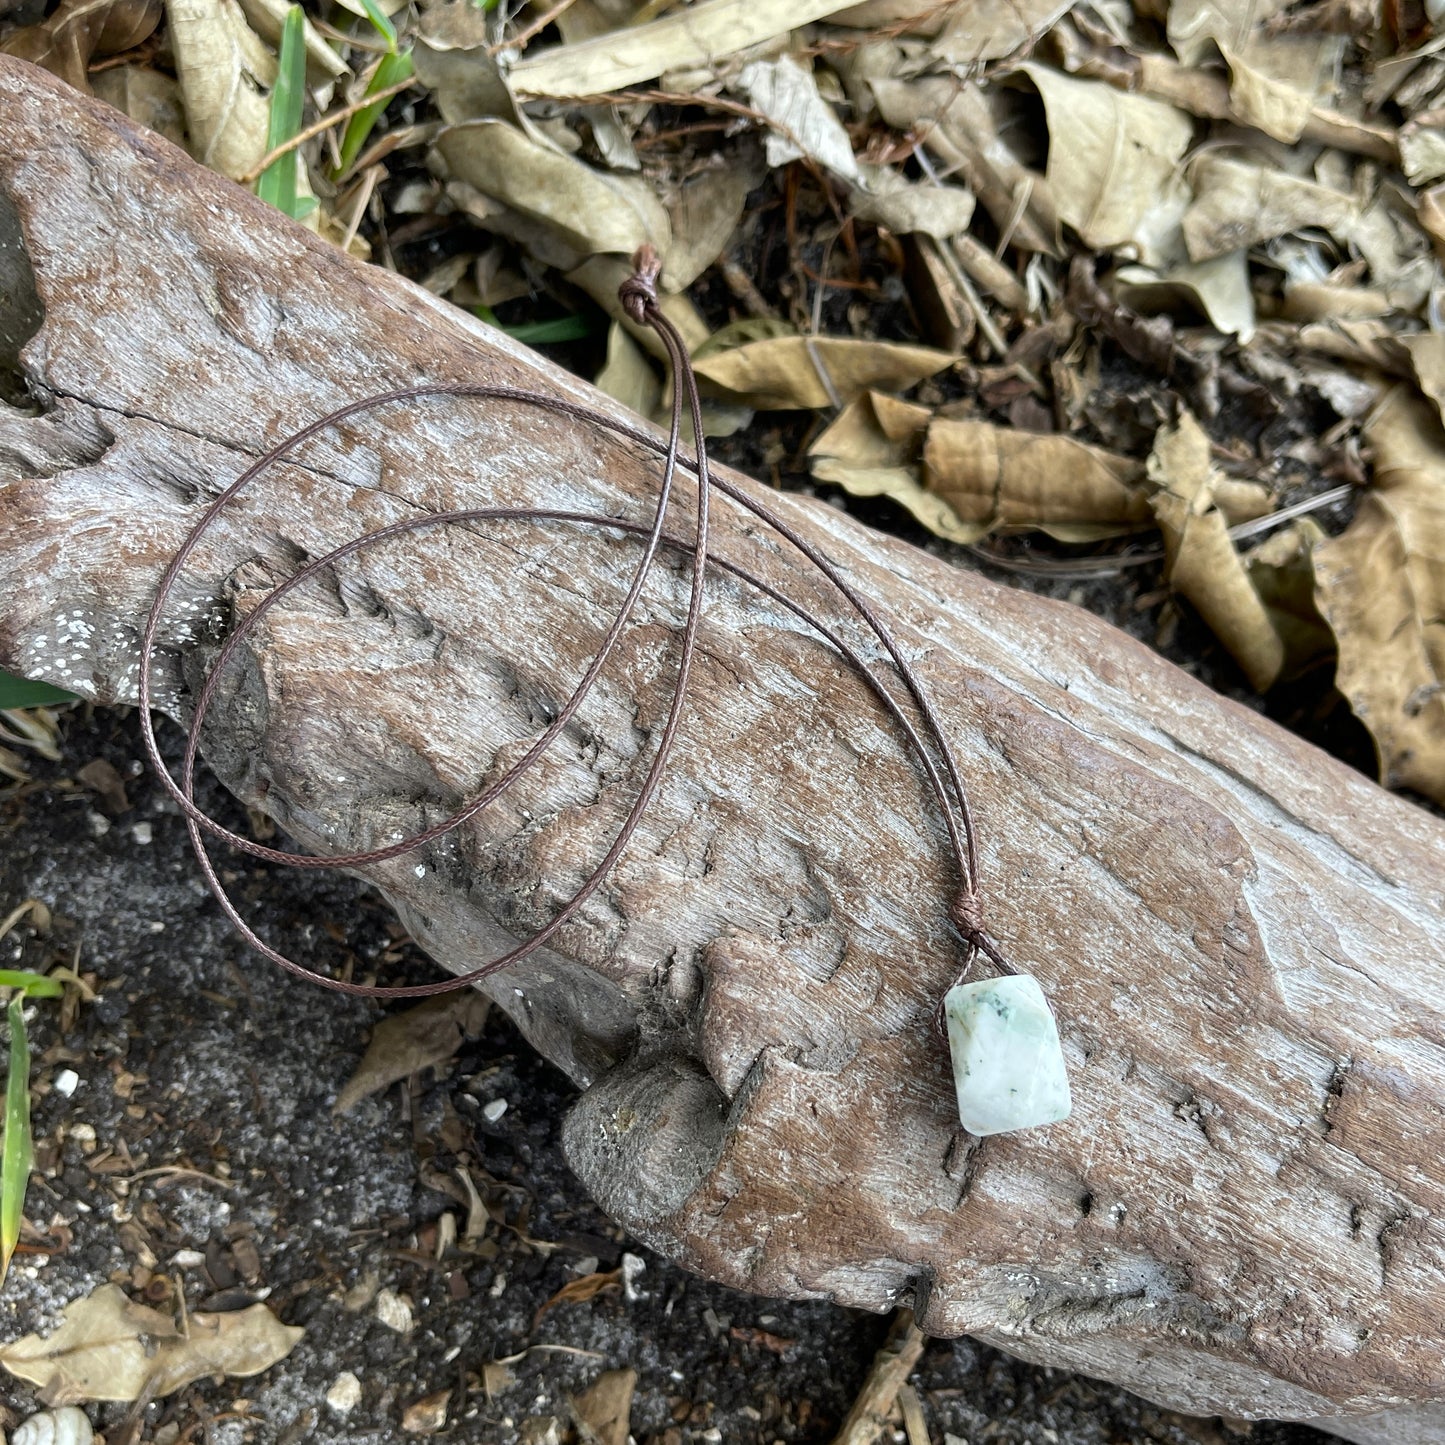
x,y
967,914
639,291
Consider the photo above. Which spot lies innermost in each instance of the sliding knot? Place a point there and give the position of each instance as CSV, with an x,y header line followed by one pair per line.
x,y
967,914
639,291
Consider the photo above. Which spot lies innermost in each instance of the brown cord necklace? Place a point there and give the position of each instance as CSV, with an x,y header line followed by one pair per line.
x,y
994,1027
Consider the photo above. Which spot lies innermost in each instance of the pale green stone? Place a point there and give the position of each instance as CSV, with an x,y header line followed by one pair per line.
x,y
1008,1067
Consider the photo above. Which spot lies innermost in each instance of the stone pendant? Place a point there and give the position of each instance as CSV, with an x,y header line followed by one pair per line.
x,y
1008,1067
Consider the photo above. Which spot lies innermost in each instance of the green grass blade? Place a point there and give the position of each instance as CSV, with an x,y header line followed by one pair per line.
x,y
17,692
392,70
541,333
16,1154
381,23
34,985
278,181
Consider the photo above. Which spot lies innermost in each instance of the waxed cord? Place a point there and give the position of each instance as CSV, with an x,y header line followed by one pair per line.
x,y
640,300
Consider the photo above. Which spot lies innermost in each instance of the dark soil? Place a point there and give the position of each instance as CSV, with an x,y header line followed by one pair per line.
x,y
198,1056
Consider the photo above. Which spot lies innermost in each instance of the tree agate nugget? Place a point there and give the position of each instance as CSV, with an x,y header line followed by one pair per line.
x,y
1007,1063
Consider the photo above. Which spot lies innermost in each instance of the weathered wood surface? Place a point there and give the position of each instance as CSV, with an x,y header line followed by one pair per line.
x,y
1244,941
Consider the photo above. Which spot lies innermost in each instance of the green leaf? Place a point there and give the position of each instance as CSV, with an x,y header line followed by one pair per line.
x,y
278,181
392,70
17,692
33,985
381,21
541,333
16,1154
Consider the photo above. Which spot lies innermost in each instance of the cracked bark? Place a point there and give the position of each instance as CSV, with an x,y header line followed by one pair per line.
x,y
1243,939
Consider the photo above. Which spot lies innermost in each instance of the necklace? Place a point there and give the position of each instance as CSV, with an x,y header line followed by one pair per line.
x,y
1008,1065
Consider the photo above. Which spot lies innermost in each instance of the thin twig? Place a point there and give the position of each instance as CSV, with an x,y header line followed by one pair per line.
x,y
521,41
316,128
890,1370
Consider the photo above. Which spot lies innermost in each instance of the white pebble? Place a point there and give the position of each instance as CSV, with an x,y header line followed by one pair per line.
x,y
67,1426
394,1311
66,1082
141,832
345,1393
188,1259
632,1266
493,1110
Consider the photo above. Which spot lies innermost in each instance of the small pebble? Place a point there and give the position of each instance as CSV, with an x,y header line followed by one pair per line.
x,y
84,1135
141,832
632,1266
589,1264
345,1394
65,1083
99,826
394,1311
188,1259
493,1110
67,1426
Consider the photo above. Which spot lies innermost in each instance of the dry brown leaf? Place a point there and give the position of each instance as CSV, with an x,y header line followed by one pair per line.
x,y
65,43
592,211
803,123
225,71
606,1407
1113,167
1219,288
704,213
994,476
147,96
109,1348
698,36
579,1291
453,60
1203,564
1281,569
1238,204
907,208
1427,355
958,125
1381,588
810,372
418,1038
626,376
1422,153
266,18
1275,81
974,33
872,450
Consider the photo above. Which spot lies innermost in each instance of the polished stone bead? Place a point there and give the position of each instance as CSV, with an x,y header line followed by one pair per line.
x,y
1007,1063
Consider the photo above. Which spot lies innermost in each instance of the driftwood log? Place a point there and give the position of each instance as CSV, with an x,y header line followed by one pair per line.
x,y
1244,940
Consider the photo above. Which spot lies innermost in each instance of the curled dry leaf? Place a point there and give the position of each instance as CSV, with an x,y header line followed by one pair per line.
x,y
80,30
1282,571
453,60
1203,564
1240,203
1218,288
704,212
872,450
266,18
1113,167
588,210
579,1291
626,376
791,372
225,70
1381,587
109,1348
994,476
802,122
605,1408
959,126
690,39
147,96
417,1038
908,207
